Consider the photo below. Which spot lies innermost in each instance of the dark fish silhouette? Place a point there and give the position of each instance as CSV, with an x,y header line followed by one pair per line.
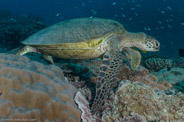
x,y
181,52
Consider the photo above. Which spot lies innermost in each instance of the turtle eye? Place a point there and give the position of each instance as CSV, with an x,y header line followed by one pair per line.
x,y
157,44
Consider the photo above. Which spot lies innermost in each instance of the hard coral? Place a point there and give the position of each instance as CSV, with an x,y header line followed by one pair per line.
x,y
83,105
156,64
146,102
141,75
173,76
33,91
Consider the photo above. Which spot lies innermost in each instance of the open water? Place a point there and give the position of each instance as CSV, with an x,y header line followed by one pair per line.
x,y
163,19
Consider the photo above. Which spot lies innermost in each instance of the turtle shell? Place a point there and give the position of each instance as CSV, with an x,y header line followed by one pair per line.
x,y
64,39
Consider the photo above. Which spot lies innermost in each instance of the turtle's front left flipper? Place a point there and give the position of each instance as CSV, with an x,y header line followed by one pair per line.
x,y
134,56
106,78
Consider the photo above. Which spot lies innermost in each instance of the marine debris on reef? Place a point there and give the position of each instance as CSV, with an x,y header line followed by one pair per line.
x,y
15,28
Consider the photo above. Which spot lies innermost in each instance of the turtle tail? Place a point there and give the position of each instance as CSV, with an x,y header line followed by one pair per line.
x,y
106,78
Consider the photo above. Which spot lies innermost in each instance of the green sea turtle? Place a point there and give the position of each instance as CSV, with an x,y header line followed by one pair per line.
x,y
87,38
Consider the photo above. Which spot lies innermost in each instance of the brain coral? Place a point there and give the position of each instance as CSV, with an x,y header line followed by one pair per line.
x,y
31,91
138,98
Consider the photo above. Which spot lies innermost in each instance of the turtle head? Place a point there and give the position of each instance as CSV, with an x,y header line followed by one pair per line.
x,y
147,43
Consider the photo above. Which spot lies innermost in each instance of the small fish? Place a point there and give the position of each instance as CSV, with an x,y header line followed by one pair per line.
x,y
182,23
163,12
123,15
145,29
57,14
168,7
159,22
114,3
83,4
136,14
93,12
130,19
169,26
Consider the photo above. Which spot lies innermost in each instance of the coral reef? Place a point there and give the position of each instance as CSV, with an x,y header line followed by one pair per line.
x,y
156,64
83,105
35,92
148,103
179,62
15,28
141,75
173,76
179,86
132,118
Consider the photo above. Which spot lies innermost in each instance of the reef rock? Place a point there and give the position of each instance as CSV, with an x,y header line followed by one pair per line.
x,y
31,91
175,75
144,103
142,75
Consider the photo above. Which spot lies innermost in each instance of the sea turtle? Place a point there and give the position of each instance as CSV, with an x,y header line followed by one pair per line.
x,y
87,38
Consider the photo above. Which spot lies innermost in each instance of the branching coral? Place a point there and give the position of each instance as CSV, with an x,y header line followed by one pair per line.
x,y
31,90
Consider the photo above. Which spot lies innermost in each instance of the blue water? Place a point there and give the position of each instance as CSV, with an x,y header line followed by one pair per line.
x,y
163,19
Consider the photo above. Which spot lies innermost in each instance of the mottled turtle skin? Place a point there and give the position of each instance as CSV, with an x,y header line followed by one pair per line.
x,y
87,38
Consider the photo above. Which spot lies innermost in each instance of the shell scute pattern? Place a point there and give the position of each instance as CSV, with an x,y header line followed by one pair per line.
x,y
106,78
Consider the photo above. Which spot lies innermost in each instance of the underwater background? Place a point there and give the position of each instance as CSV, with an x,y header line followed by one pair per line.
x,y
163,19
32,89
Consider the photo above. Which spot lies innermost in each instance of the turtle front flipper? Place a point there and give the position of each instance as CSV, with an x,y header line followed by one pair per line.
x,y
106,78
134,56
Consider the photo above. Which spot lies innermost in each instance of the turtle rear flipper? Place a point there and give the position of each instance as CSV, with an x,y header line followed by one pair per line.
x,y
106,78
48,58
